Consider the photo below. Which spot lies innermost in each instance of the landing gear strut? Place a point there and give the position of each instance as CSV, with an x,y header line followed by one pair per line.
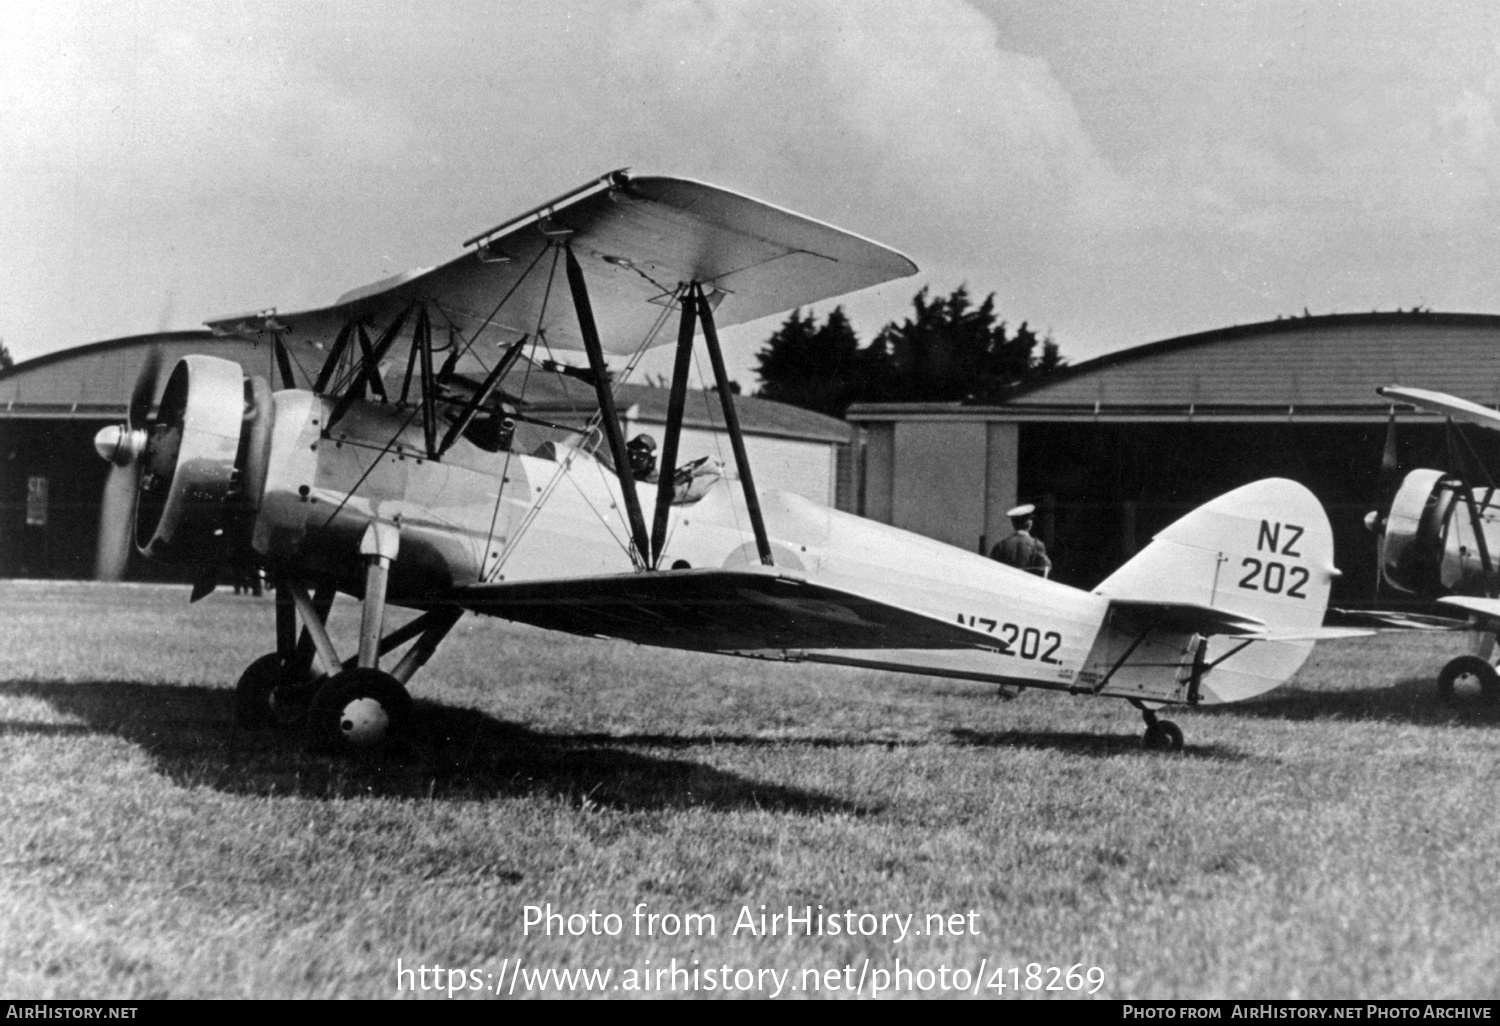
x,y
346,706
1161,735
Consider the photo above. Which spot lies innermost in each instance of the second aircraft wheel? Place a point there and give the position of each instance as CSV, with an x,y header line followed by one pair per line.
x,y
1465,673
1164,736
270,695
360,710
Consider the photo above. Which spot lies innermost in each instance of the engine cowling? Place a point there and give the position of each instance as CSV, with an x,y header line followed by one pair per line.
x,y
1432,545
204,464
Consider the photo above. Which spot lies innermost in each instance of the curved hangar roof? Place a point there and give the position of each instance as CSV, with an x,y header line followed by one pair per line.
x,y
93,382
1303,367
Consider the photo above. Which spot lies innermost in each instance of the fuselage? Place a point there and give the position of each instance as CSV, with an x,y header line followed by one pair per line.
x,y
478,516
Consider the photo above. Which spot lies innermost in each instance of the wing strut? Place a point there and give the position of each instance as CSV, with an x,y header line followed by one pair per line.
x,y
369,370
479,398
732,424
283,362
331,364
421,340
676,402
608,413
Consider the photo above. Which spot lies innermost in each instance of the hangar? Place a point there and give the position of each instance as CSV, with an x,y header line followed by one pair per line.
x,y
51,480
1119,446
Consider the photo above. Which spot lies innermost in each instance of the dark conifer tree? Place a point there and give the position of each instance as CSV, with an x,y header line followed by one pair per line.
x,y
949,350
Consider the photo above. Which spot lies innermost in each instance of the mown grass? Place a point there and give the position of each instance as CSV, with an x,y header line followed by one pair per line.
x,y
1336,838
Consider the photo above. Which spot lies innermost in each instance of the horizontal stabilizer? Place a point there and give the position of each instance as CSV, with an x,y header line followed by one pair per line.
x,y
1392,620
742,610
1448,405
1189,617
1482,608
1315,634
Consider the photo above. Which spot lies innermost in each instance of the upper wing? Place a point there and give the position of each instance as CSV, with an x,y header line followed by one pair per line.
x,y
637,240
1441,402
745,610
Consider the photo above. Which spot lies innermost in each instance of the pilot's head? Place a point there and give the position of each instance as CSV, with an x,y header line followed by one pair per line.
x,y
1020,516
642,452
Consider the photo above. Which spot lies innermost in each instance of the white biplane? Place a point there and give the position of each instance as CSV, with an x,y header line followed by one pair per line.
x,y
394,475
1440,541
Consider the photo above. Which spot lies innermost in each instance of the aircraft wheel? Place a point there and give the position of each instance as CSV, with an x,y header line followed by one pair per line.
x,y
267,695
1466,671
360,710
1164,736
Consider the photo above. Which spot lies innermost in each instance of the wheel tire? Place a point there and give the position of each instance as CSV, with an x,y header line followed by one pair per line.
x,y
359,711
1468,666
1164,736
268,695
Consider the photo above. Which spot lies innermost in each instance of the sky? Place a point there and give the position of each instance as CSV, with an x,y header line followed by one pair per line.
x,y
1115,173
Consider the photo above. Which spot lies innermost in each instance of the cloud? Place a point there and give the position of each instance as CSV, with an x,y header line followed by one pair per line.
x,y
268,154
1119,172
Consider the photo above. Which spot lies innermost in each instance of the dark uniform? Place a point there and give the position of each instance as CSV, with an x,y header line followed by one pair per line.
x,y
1021,550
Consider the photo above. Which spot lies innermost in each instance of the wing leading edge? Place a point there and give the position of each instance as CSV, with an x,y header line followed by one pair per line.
x,y
637,240
1448,405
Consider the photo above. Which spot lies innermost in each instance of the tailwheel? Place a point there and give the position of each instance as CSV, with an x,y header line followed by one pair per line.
x,y
1462,676
1163,736
271,694
359,710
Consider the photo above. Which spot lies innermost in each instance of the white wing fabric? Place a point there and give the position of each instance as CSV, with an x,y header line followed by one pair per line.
x,y
637,240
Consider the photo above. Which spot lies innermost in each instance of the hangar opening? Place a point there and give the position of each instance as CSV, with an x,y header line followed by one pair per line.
x,y
52,480
1118,447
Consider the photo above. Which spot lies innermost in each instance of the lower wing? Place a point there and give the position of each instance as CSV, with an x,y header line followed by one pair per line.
x,y
744,610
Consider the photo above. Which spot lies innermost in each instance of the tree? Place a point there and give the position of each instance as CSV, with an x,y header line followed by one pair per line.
x,y
954,351
949,351
6,360
817,367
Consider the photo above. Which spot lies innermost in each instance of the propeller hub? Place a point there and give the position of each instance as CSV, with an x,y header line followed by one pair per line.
x,y
120,445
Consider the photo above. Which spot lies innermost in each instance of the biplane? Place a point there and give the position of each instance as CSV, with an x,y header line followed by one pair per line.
x,y
393,470
1439,540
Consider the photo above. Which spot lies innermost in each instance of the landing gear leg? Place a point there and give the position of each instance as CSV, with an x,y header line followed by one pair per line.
x,y
1161,735
361,709
274,690
348,705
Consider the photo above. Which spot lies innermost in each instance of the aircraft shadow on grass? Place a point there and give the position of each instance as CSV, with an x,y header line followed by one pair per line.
x,y
456,755
1413,700
1096,745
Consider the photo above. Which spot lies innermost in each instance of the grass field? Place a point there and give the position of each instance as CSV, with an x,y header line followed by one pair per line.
x,y
1336,838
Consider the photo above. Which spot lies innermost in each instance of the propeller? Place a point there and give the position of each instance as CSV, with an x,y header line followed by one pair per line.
x,y
1388,481
123,445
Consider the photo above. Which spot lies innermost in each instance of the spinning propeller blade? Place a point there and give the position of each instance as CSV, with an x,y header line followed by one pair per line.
x,y
122,445
1390,466
116,519
144,392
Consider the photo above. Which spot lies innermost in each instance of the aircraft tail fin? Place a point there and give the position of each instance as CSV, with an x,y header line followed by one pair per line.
x,y
1263,552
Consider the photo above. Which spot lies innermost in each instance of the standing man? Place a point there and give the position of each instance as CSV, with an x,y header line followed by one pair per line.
x,y
1021,550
